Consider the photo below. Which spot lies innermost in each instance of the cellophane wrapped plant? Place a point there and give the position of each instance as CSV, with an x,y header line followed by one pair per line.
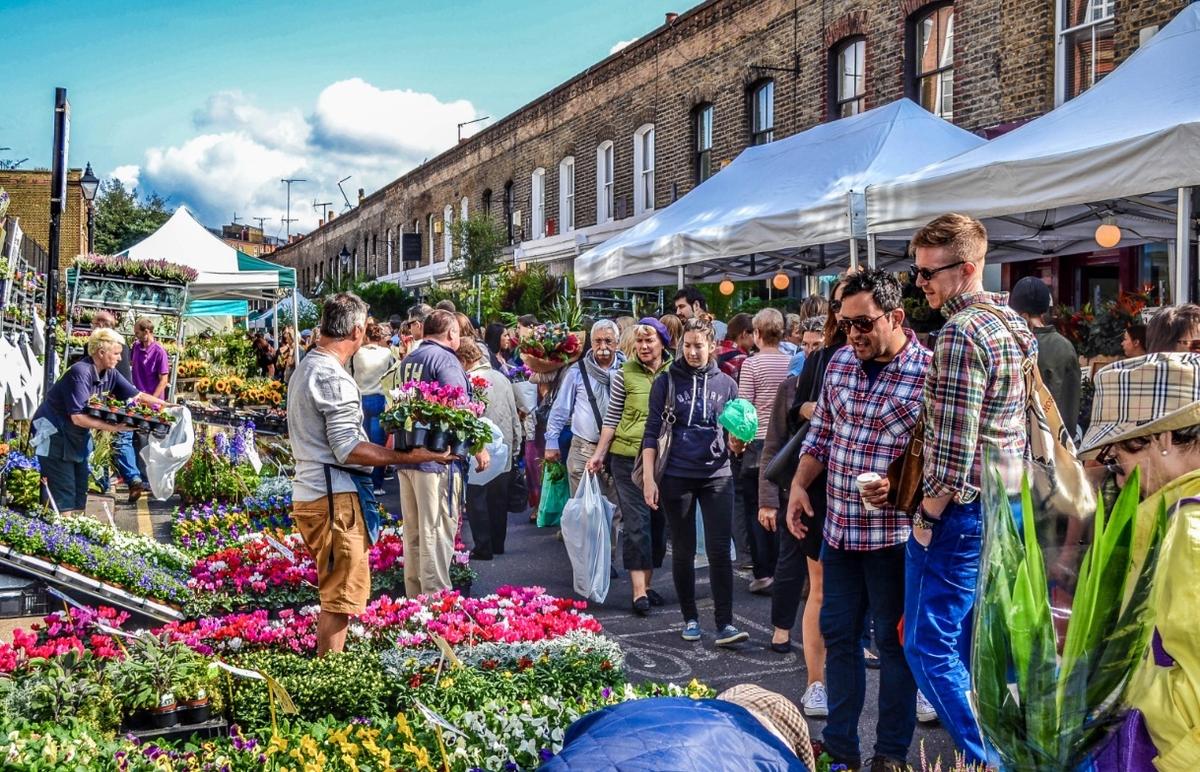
x,y
551,342
1055,645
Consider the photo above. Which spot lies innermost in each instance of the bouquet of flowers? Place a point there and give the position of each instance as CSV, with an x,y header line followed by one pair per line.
x,y
550,347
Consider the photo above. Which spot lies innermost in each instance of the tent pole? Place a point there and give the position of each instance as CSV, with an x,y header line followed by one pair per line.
x,y
679,280
297,352
853,254
871,250
1183,246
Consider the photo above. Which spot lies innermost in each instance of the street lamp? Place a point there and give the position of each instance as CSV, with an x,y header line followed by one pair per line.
x,y
90,183
344,256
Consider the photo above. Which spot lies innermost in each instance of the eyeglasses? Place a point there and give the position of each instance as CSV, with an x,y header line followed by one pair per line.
x,y
1136,445
928,273
1192,345
862,325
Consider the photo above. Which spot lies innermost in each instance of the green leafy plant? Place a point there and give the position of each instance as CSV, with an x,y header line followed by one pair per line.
x,y
478,241
155,667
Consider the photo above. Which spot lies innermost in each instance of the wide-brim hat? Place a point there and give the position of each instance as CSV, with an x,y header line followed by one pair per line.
x,y
1143,396
777,713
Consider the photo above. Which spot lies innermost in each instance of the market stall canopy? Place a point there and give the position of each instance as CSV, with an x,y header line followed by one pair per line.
x,y
227,277
1111,151
776,200
281,310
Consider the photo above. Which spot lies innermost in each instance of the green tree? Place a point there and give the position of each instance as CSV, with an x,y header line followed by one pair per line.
x,y
123,219
477,242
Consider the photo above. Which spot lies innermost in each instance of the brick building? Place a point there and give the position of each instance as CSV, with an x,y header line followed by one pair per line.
x,y
637,130
30,194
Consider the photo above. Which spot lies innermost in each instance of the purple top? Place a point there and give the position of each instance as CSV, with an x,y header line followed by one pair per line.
x,y
149,364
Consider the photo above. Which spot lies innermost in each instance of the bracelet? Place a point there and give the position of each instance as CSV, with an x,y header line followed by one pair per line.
x,y
920,522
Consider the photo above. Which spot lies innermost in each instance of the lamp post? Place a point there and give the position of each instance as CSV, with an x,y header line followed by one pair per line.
x,y
90,183
344,256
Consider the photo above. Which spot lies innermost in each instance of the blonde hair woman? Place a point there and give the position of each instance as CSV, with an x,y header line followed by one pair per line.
x,y
64,458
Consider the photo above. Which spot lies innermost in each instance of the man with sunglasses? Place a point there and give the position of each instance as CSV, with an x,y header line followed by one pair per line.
x,y
974,409
868,405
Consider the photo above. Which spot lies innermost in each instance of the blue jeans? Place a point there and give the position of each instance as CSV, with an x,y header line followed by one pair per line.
x,y
373,405
858,584
939,597
124,459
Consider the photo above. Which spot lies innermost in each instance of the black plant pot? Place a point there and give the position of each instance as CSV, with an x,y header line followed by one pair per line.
x,y
129,420
416,436
195,713
138,719
143,425
403,440
94,412
459,446
161,430
162,718
437,441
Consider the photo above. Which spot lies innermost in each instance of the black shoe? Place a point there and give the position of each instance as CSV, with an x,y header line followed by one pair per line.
x,y
655,598
781,648
479,556
135,492
641,606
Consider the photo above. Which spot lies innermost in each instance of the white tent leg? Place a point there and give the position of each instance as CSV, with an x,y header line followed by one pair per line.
x,y
679,281
297,352
853,254
1183,247
871,251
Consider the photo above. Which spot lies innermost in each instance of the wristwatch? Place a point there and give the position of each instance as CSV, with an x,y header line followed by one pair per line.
x,y
919,521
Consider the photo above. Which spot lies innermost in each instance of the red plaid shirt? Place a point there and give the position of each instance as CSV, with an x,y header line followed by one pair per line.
x,y
856,428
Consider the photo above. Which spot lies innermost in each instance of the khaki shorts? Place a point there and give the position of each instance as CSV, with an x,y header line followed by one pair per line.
x,y
345,587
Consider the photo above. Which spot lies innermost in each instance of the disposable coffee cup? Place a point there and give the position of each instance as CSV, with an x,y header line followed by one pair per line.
x,y
866,478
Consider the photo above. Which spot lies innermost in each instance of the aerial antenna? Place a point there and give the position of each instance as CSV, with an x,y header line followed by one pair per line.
x,y
288,220
261,220
468,123
325,206
236,219
344,196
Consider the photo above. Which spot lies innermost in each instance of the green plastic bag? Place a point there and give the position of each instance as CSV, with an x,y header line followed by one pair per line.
x,y
556,492
740,418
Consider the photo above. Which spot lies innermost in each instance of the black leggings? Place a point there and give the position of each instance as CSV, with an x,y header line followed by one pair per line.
x,y
679,497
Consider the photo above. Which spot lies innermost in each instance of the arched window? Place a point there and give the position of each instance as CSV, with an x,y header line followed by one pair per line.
x,y
447,233
703,123
487,202
604,182
509,206
432,242
566,194
537,202
388,247
643,169
762,112
462,208
848,77
931,50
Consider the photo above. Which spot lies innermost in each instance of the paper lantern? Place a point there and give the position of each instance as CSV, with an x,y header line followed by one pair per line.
x,y
1108,234
780,281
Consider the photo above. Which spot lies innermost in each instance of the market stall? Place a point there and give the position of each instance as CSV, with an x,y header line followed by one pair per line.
x,y
794,201
1122,153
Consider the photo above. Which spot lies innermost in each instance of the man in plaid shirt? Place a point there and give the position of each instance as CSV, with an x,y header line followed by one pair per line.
x,y
974,407
869,403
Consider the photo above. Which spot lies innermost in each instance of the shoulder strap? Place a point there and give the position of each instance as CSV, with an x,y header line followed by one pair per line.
x,y
1003,320
587,386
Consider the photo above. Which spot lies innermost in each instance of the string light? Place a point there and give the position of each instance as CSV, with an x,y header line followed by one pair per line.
x,y
1108,233
781,280
726,286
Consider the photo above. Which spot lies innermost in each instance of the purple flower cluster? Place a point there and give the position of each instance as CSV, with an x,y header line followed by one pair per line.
x,y
18,460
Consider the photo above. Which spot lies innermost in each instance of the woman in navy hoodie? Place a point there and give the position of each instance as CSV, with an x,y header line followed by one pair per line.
x,y
697,472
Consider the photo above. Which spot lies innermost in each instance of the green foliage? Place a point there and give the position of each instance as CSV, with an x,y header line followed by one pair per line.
x,y
478,241
208,476
153,670
123,219
339,685
57,689
229,351
385,299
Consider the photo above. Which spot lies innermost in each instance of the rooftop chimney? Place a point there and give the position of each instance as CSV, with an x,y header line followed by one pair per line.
x,y
361,196
671,17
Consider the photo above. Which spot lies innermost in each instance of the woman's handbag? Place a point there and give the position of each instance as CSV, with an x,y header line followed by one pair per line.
x,y
664,440
783,464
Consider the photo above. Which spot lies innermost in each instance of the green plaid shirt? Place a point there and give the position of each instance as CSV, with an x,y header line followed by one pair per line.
x,y
974,394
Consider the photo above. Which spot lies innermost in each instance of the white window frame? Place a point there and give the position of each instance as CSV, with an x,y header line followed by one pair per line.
x,y
432,242
702,128
447,238
762,122
462,208
389,251
1095,22
643,169
605,161
537,202
940,70
859,98
566,194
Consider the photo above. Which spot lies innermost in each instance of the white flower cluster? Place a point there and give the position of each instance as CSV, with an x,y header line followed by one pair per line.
x,y
400,663
503,734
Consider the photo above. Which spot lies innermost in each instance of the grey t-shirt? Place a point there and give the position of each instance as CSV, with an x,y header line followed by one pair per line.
x,y
325,423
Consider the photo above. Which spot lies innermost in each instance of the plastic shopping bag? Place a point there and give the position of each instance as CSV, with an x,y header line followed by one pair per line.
x,y
164,456
586,529
498,454
556,491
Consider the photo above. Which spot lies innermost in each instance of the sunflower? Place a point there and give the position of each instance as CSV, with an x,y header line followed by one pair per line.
x,y
203,385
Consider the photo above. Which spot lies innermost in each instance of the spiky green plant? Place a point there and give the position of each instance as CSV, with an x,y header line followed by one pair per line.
x,y
1044,707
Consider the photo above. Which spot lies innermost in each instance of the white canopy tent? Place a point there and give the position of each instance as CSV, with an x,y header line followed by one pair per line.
x,y
1128,148
777,200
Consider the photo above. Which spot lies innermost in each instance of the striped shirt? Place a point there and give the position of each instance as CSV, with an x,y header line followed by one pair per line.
x,y
974,394
862,427
759,383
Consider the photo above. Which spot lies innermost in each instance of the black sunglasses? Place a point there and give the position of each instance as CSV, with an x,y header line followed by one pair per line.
x,y
862,325
928,273
1108,454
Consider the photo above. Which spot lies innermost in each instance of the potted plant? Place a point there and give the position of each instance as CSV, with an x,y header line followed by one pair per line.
x,y
95,406
193,693
150,674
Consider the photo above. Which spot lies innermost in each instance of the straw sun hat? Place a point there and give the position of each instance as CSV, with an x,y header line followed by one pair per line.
x,y
1143,396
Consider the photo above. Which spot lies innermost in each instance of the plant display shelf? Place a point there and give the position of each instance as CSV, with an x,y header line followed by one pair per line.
x,y
214,727
13,293
57,575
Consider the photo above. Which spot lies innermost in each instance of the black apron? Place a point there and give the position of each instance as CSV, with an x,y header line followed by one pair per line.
x,y
365,490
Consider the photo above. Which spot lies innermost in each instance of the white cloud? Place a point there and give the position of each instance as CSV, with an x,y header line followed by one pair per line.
x,y
241,151
127,174
621,44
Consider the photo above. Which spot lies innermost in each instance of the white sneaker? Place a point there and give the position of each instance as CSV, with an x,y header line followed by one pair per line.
x,y
814,702
925,711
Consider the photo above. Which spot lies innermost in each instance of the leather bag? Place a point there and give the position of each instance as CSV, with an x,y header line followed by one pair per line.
x,y
664,439
906,474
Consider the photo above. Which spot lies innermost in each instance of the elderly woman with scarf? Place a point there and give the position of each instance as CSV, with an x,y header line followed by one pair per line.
x,y
581,404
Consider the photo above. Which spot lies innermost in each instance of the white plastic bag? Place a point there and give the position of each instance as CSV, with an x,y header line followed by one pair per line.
x,y
526,395
43,430
498,454
586,530
164,456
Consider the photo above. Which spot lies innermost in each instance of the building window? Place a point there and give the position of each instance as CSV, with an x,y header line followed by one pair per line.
x,y
387,244
931,78
432,242
566,194
704,128
487,202
537,202
1085,45
643,169
848,72
462,208
762,113
447,233
508,210
604,182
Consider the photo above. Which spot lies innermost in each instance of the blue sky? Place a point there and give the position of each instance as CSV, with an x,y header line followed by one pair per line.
x,y
211,103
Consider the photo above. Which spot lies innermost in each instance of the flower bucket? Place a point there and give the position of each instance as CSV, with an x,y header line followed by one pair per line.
x,y
437,441
546,366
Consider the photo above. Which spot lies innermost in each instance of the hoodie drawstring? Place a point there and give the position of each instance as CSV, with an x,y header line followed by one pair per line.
x,y
692,408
